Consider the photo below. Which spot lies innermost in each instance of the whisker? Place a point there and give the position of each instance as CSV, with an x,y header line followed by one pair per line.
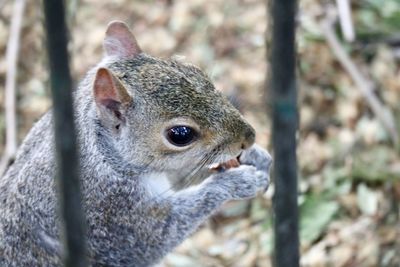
x,y
191,175
190,178
196,170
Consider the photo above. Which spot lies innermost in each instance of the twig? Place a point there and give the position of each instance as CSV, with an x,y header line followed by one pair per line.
x,y
362,82
10,91
346,23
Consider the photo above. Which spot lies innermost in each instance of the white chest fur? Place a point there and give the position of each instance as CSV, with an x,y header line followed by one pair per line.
x,y
157,184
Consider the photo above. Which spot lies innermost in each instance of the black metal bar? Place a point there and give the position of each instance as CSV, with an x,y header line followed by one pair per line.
x,y
285,123
65,139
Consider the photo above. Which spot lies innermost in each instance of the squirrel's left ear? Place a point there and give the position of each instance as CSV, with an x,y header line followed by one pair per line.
x,y
120,42
111,98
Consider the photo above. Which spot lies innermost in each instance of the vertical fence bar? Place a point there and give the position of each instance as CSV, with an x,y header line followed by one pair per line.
x,y
65,139
285,123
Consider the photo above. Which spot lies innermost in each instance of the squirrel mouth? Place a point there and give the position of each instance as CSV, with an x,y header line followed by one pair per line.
x,y
219,167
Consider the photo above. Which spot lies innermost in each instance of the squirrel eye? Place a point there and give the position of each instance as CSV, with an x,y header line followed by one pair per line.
x,y
181,135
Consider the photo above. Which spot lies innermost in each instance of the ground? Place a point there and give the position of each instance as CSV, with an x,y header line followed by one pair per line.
x,y
349,169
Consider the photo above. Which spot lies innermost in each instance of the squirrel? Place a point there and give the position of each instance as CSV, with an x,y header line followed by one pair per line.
x,y
160,150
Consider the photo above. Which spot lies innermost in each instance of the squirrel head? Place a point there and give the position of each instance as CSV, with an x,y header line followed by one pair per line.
x,y
164,115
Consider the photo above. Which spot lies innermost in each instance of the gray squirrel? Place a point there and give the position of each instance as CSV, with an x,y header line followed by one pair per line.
x,y
160,151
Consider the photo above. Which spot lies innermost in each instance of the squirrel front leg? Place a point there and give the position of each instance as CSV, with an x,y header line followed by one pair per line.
x,y
190,207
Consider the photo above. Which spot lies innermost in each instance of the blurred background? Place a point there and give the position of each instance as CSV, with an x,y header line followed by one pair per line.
x,y
349,107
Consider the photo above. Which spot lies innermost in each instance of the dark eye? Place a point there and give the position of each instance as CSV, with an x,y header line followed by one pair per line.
x,y
181,135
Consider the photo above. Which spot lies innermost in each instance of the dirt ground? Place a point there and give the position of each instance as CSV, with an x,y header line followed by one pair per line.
x,y
349,170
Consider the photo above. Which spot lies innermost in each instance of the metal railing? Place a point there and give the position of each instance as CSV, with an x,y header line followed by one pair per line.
x,y
65,139
284,127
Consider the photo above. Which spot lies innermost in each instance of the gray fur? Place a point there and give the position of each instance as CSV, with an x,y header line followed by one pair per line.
x,y
127,226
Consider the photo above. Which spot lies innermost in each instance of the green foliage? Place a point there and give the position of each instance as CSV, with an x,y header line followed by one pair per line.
x,y
374,165
378,18
367,200
316,213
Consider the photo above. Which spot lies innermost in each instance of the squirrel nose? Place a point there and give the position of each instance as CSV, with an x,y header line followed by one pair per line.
x,y
249,137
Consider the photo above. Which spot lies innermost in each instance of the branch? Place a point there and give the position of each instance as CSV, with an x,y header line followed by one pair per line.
x,y
362,82
346,23
10,91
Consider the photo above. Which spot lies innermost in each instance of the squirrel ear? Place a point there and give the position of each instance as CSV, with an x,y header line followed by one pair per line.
x,y
109,93
119,41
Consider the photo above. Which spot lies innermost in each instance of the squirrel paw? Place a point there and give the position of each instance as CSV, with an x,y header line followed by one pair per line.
x,y
244,181
258,157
